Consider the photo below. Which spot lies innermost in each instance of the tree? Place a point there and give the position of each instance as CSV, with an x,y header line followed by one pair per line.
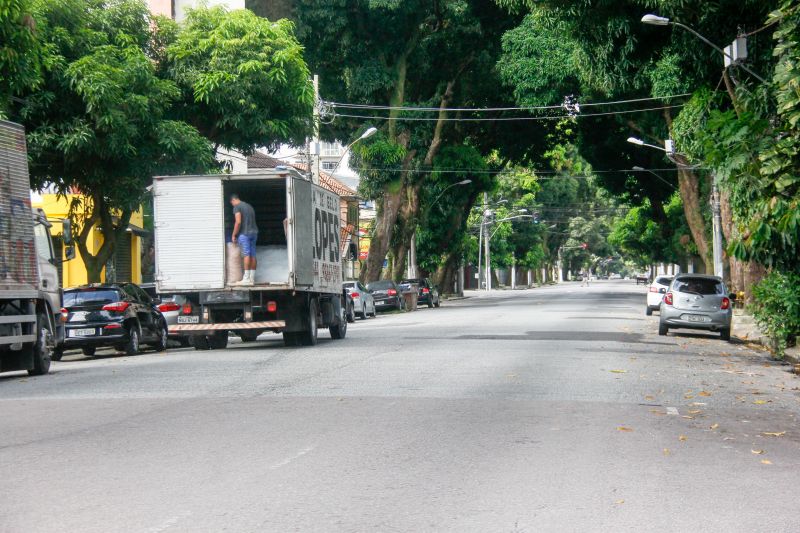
x,y
97,123
242,78
20,52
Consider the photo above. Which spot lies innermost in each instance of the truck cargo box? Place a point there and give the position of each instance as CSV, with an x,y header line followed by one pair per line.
x,y
298,245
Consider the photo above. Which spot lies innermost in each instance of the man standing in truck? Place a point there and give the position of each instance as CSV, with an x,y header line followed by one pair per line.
x,y
245,233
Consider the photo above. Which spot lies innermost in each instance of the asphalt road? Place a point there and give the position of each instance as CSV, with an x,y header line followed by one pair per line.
x,y
554,409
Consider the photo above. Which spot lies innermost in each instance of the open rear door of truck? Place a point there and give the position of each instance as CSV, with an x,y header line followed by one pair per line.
x,y
189,233
301,232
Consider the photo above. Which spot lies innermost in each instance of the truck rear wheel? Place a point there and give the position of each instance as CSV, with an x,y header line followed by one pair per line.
x,y
218,340
291,339
41,348
309,336
338,331
199,342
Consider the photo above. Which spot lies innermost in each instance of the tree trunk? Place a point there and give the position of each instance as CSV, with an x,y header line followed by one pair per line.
x,y
400,253
689,184
99,213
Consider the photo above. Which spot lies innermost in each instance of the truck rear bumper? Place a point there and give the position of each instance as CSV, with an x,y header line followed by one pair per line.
x,y
196,329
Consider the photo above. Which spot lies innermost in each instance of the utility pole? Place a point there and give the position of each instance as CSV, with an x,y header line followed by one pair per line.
x,y
487,251
315,148
717,228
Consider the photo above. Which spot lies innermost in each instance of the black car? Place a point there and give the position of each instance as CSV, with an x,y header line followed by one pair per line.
x,y
122,316
387,294
428,293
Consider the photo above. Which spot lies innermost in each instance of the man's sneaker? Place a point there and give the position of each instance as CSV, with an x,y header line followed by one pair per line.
x,y
244,282
247,282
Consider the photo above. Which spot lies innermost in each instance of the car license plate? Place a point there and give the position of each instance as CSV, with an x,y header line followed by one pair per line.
x,y
188,320
82,332
695,318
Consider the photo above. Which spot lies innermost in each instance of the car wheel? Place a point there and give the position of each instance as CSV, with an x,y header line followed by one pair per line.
x,y
374,311
57,354
339,331
351,313
438,302
89,351
218,340
363,314
663,329
430,302
725,334
41,348
132,346
648,311
200,342
309,336
163,339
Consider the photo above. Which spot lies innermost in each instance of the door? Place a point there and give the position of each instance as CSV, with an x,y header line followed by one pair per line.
x,y
48,271
189,233
301,232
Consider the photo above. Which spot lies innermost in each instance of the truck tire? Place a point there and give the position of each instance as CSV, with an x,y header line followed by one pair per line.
x,y
199,342
41,348
57,354
339,331
218,340
309,336
89,350
291,339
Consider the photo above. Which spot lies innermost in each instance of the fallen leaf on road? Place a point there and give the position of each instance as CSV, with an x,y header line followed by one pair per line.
x,y
757,452
687,416
766,462
619,502
688,396
682,438
704,393
714,426
657,412
649,398
696,404
623,428
760,402
666,451
695,411
619,371
767,434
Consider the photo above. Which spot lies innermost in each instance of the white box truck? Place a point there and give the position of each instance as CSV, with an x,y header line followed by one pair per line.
x,y
298,281
31,329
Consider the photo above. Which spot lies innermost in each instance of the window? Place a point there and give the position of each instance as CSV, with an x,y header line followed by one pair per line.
x,y
328,165
91,297
331,149
42,238
699,286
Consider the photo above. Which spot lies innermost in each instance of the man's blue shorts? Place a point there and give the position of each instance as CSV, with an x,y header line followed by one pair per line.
x,y
247,245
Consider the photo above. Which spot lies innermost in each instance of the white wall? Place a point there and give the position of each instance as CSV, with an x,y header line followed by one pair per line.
x,y
181,5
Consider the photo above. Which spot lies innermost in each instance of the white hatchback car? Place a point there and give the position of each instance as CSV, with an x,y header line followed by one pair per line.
x,y
656,292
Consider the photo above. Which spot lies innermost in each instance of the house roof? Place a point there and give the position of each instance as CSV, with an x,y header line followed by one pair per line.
x,y
328,181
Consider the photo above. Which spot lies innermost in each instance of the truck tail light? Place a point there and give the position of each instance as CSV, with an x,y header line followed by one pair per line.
x,y
726,303
113,326
272,307
668,298
116,307
391,292
168,306
187,309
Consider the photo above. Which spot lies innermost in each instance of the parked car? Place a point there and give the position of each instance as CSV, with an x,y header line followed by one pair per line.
x,y
656,292
122,316
696,301
172,306
387,295
428,293
363,302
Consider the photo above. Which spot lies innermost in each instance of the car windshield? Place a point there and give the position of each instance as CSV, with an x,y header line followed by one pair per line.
x,y
420,282
699,286
663,281
380,285
90,297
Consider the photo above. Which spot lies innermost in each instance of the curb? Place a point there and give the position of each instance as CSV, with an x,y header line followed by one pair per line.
x,y
792,355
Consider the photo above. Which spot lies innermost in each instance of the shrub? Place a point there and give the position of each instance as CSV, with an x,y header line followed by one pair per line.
x,y
776,308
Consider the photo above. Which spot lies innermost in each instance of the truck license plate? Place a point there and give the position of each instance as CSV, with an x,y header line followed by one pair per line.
x,y
188,320
696,318
82,332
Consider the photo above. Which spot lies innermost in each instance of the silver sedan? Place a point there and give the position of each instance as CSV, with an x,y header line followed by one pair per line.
x,y
697,301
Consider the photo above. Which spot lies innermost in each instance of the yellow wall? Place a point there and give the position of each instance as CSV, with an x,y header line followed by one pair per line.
x,y
74,272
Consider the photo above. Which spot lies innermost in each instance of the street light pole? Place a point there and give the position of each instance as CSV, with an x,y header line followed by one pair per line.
x,y
368,133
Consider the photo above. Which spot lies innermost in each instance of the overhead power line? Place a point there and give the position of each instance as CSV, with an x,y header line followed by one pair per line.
x,y
493,109
539,174
508,119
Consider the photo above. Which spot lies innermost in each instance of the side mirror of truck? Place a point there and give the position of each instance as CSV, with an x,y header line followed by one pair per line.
x,y
69,253
66,231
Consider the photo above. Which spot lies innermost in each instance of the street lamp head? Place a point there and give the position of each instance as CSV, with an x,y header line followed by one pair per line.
x,y
369,133
638,169
634,140
464,182
655,20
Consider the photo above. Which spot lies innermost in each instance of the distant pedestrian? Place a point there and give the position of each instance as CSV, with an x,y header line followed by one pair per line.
x,y
585,277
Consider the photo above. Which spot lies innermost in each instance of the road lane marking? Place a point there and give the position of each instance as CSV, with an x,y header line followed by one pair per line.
x,y
292,458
